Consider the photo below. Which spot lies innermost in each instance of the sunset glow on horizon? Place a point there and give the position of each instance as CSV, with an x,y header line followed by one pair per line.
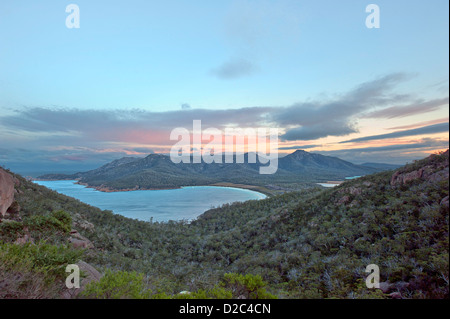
x,y
131,72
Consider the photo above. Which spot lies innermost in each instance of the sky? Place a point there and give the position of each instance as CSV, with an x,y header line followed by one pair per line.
x,y
77,98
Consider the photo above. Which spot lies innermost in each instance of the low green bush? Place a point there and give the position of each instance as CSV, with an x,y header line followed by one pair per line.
x,y
34,270
54,227
118,285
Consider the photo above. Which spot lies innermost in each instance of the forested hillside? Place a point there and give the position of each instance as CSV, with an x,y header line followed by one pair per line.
x,y
315,243
157,171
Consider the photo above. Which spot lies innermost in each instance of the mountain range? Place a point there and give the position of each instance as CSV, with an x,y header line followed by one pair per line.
x,y
157,171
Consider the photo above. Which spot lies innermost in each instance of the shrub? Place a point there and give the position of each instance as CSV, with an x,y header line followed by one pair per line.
x,y
10,231
52,227
118,285
34,271
249,286
64,218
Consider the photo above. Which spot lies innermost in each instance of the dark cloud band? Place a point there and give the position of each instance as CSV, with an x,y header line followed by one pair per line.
x,y
430,129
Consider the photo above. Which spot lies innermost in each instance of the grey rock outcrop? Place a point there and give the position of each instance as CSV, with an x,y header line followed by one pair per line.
x,y
79,241
434,172
7,184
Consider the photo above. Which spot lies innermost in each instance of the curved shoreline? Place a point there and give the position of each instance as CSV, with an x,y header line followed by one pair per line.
x,y
185,203
105,189
259,189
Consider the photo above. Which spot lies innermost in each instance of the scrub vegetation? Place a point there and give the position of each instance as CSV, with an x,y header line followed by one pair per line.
x,y
313,243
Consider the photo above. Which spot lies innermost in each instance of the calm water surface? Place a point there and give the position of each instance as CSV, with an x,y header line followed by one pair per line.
x,y
163,205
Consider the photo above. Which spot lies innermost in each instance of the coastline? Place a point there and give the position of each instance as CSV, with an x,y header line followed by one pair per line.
x,y
260,189
161,205
105,189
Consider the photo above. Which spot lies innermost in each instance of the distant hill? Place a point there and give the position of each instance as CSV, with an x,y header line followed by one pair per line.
x,y
303,162
157,171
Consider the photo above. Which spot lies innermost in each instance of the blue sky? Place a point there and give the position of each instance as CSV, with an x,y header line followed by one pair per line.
x,y
219,56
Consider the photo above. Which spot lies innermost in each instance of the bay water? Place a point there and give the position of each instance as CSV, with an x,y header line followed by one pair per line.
x,y
185,203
